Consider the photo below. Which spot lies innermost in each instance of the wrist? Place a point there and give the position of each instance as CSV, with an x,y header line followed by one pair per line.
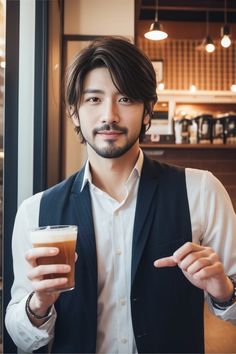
x,y
36,311
227,301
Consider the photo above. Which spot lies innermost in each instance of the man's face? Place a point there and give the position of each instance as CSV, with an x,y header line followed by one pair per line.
x,y
110,122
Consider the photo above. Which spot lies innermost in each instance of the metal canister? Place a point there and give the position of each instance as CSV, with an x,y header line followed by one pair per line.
x,y
230,129
205,128
218,130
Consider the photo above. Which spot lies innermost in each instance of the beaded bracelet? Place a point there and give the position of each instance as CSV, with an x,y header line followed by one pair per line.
x,y
223,305
34,315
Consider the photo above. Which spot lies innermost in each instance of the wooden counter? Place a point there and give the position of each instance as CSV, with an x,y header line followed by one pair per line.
x,y
219,159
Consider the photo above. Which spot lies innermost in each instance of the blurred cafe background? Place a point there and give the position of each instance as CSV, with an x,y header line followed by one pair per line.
x,y
194,123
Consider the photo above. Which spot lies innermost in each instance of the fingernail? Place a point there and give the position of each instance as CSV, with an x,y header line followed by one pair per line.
x,y
156,264
52,250
62,280
175,257
66,267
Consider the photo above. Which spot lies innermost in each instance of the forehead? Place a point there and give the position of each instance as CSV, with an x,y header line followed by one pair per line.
x,y
97,74
97,78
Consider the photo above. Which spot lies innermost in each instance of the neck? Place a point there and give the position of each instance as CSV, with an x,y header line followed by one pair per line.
x,y
110,175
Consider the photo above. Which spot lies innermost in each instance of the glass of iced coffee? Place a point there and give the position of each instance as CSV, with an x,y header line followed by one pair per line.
x,y
64,238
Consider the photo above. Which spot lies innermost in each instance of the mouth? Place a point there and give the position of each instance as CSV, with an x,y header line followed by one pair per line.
x,y
109,134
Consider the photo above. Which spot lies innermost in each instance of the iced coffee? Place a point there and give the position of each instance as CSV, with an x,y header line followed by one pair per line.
x,y
64,238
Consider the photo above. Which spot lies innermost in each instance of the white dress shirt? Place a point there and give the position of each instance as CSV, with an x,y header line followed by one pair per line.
x,y
213,222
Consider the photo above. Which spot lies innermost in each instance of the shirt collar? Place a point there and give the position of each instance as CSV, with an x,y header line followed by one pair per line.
x,y
137,169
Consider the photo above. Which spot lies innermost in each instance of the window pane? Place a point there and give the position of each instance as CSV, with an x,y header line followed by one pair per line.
x,y
2,74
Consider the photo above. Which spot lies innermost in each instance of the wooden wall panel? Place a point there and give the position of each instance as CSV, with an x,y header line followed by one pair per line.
x,y
186,62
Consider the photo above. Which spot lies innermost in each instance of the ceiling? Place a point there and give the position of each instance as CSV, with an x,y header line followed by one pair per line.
x,y
187,10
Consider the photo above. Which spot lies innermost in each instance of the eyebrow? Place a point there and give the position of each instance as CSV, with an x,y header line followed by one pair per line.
x,y
92,91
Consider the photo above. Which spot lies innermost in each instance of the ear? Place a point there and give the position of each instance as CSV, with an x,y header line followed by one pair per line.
x,y
75,120
146,119
74,117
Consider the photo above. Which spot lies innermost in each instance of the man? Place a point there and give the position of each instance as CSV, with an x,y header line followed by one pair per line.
x,y
152,237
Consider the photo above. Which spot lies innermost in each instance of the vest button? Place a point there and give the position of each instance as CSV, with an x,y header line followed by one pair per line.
x,y
135,299
141,335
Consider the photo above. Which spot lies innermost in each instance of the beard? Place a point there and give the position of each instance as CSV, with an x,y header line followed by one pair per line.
x,y
111,150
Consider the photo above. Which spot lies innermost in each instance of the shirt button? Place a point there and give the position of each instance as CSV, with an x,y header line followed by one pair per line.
x,y
118,252
124,340
122,301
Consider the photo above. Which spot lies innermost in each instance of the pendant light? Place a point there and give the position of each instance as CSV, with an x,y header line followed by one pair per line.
x,y
208,42
156,32
225,31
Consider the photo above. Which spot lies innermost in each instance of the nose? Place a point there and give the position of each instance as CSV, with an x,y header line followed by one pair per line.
x,y
110,112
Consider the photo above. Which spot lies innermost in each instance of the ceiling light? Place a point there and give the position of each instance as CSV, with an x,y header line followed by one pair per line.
x,y
225,31
225,41
208,42
156,32
209,45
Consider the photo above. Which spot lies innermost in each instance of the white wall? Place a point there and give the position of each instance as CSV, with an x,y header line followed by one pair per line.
x,y
91,17
99,17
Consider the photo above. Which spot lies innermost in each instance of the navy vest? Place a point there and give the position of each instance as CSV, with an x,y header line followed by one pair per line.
x,y
167,310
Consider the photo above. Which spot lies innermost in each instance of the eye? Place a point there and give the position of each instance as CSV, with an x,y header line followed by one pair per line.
x,y
92,100
125,100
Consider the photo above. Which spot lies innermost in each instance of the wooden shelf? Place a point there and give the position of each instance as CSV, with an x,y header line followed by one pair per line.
x,y
187,146
219,159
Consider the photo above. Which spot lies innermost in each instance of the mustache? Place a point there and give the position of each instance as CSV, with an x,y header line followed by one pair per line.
x,y
108,127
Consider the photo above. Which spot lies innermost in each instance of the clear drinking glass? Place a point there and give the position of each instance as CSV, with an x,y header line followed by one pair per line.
x,y
64,238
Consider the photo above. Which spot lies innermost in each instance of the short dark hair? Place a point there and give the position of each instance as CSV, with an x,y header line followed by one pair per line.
x,y
131,71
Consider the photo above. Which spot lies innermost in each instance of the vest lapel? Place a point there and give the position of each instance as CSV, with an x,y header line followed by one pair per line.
x,y
147,187
82,208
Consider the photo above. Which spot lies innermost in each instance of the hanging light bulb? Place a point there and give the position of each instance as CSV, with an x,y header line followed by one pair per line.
x,y
156,32
225,41
208,42
225,32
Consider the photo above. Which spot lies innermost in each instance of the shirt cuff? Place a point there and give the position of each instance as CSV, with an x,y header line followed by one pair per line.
x,y
228,314
27,336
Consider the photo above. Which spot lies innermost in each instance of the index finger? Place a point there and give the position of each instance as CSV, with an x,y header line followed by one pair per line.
x,y
165,262
185,249
34,253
